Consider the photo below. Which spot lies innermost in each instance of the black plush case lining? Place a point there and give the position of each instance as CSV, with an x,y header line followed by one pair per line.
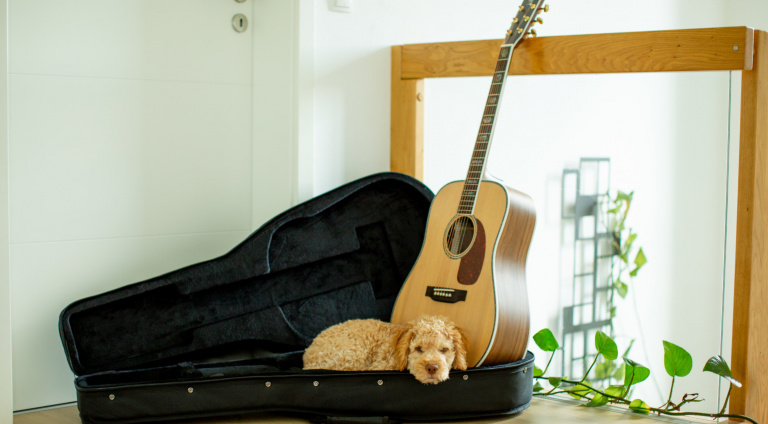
x,y
226,336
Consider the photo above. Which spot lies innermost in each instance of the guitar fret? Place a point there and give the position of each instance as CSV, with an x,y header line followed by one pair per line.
x,y
482,143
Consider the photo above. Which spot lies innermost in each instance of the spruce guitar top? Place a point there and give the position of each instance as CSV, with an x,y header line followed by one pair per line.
x,y
472,264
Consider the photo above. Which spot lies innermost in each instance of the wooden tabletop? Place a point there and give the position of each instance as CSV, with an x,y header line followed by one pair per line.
x,y
542,411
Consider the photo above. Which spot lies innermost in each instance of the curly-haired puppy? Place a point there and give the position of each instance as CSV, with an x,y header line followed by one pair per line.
x,y
428,347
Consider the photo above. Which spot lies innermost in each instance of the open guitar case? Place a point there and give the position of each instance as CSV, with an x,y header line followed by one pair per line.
x,y
226,336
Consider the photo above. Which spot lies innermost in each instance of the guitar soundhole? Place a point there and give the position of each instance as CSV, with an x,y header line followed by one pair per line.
x,y
460,235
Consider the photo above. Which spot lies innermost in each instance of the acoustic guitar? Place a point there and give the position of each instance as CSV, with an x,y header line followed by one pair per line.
x,y
471,267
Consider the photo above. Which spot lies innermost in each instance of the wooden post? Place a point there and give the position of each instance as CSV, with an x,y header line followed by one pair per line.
x,y
406,121
749,356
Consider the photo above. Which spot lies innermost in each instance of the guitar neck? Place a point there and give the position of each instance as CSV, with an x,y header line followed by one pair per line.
x,y
485,134
521,27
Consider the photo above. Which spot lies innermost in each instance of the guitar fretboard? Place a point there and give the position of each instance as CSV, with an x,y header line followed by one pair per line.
x,y
483,141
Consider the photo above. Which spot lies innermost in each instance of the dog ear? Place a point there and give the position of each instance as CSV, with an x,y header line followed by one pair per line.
x,y
461,344
402,347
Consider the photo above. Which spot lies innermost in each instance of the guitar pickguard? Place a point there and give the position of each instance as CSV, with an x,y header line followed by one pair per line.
x,y
472,262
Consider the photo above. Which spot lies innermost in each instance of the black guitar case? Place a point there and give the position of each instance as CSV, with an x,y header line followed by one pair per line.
x,y
226,336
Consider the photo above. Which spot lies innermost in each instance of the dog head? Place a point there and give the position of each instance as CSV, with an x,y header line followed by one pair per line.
x,y
429,347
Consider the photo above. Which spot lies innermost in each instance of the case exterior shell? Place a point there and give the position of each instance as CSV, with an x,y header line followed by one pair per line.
x,y
226,336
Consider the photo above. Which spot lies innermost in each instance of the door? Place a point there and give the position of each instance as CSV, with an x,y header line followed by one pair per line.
x,y
131,154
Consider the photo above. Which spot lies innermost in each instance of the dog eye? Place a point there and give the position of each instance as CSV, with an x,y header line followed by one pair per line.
x,y
445,349
418,349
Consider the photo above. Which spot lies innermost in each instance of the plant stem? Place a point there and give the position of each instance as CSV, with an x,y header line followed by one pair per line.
x,y
704,414
669,401
616,398
730,386
624,401
548,362
590,368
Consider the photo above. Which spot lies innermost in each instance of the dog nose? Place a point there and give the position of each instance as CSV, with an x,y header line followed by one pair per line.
x,y
431,368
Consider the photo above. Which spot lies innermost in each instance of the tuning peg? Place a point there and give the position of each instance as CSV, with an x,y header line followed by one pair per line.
x,y
544,9
532,33
522,9
539,20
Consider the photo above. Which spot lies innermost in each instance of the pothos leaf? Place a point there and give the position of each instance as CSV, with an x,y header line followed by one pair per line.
x,y
717,365
555,381
640,260
621,288
578,391
623,197
677,361
537,387
634,372
614,390
537,372
630,239
638,405
545,340
606,346
598,400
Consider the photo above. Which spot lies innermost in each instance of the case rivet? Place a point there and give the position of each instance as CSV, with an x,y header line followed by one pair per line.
x,y
268,384
190,390
380,382
315,383
525,370
465,377
111,397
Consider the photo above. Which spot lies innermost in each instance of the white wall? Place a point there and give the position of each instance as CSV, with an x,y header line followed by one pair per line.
x,y
666,133
6,378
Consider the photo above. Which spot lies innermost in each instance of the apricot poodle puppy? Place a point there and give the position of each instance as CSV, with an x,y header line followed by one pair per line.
x,y
427,347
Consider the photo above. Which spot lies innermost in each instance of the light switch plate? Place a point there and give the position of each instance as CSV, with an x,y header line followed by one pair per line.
x,y
344,6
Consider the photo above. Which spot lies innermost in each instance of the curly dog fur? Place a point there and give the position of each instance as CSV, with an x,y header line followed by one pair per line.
x,y
427,347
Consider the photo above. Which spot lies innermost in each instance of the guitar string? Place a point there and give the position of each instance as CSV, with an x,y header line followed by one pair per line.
x,y
479,156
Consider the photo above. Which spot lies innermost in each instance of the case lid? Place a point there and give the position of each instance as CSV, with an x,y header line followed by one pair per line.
x,y
342,255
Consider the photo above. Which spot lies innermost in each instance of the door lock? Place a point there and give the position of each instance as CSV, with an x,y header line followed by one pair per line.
x,y
240,22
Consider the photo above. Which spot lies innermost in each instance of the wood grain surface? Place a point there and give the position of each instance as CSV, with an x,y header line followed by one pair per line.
x,y
749,345
406,122
653,51
542,411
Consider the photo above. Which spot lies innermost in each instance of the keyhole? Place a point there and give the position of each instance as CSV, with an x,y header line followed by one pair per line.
x,y
240,22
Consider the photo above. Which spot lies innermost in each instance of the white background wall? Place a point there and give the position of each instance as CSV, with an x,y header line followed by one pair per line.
x,y
674,157
6,378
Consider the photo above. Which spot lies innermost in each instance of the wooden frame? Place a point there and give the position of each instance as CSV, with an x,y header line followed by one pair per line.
x,y
710,49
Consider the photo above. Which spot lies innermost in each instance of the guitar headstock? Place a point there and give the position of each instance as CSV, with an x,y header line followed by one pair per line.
x,y
527,16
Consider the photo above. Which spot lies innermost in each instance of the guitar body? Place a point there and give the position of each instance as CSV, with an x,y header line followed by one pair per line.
x,y
489,275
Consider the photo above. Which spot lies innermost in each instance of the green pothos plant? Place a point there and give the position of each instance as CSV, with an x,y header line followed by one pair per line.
x,y
677,363
601,388
631,257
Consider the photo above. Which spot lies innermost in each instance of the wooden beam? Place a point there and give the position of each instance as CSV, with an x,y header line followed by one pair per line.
x,y
708,49
749,356
406,122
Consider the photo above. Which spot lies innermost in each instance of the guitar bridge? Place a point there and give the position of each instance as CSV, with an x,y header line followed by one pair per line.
x,y
444,294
